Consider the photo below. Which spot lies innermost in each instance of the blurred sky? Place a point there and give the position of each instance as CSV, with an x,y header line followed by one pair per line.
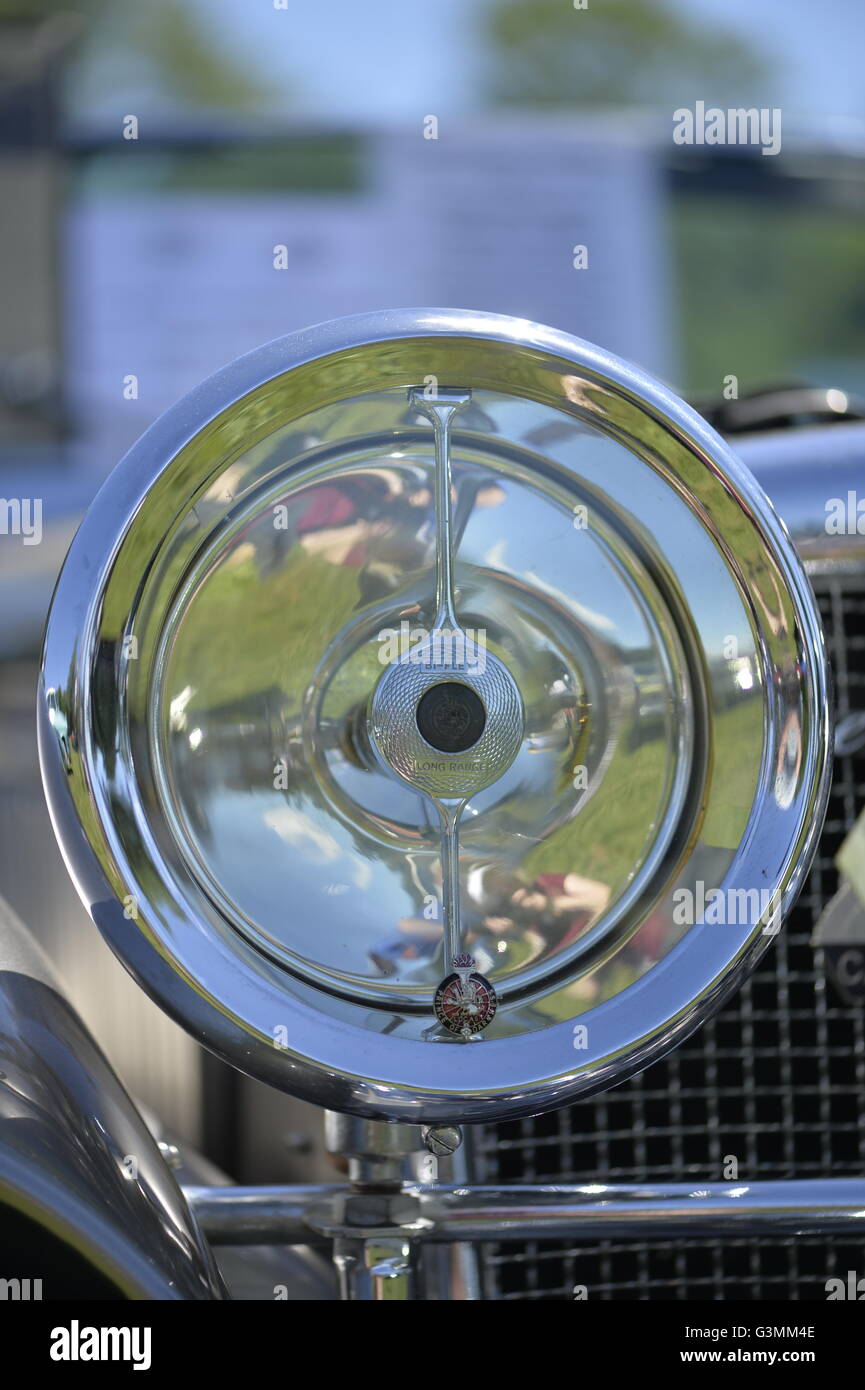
x,y
388,58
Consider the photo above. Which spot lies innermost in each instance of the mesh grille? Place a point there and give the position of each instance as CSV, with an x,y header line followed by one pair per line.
x,y
777,1079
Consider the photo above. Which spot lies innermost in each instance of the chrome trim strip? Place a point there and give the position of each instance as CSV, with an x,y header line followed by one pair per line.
x,y
596,1211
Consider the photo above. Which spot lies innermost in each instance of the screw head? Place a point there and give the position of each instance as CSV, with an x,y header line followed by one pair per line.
x,y
442,1140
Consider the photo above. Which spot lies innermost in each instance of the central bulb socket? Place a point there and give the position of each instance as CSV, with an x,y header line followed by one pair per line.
x,y
451,717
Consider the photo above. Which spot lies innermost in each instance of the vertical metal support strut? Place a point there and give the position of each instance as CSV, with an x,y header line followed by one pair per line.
x,y
440,410
382,1262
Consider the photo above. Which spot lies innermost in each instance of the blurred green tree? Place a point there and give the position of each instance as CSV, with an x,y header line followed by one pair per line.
x,y
549,53
191,62
168,43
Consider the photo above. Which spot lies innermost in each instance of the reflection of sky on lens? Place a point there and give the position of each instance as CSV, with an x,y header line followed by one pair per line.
x,y
395,59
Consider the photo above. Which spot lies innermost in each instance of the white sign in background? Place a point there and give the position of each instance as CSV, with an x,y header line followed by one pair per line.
x,y
167,287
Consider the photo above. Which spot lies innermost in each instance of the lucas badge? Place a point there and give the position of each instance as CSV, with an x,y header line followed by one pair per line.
x,y
840,932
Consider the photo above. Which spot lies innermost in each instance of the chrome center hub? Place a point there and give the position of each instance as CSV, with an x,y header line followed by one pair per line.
x,y
419,708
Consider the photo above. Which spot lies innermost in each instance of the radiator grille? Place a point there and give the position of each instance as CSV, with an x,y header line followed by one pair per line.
x,y
777,1079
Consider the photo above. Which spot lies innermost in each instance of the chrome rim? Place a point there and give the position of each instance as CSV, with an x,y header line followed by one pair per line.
x,y
247,624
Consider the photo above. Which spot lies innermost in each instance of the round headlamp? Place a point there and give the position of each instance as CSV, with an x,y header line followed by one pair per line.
x,y
434,716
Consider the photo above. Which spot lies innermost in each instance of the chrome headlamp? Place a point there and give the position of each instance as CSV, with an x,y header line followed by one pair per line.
x,y
434,716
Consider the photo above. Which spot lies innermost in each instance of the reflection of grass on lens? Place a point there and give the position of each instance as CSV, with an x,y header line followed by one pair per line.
x,y
246,633
599,842
597,848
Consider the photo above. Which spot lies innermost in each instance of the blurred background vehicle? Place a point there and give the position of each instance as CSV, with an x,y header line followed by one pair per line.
x,y
184,179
